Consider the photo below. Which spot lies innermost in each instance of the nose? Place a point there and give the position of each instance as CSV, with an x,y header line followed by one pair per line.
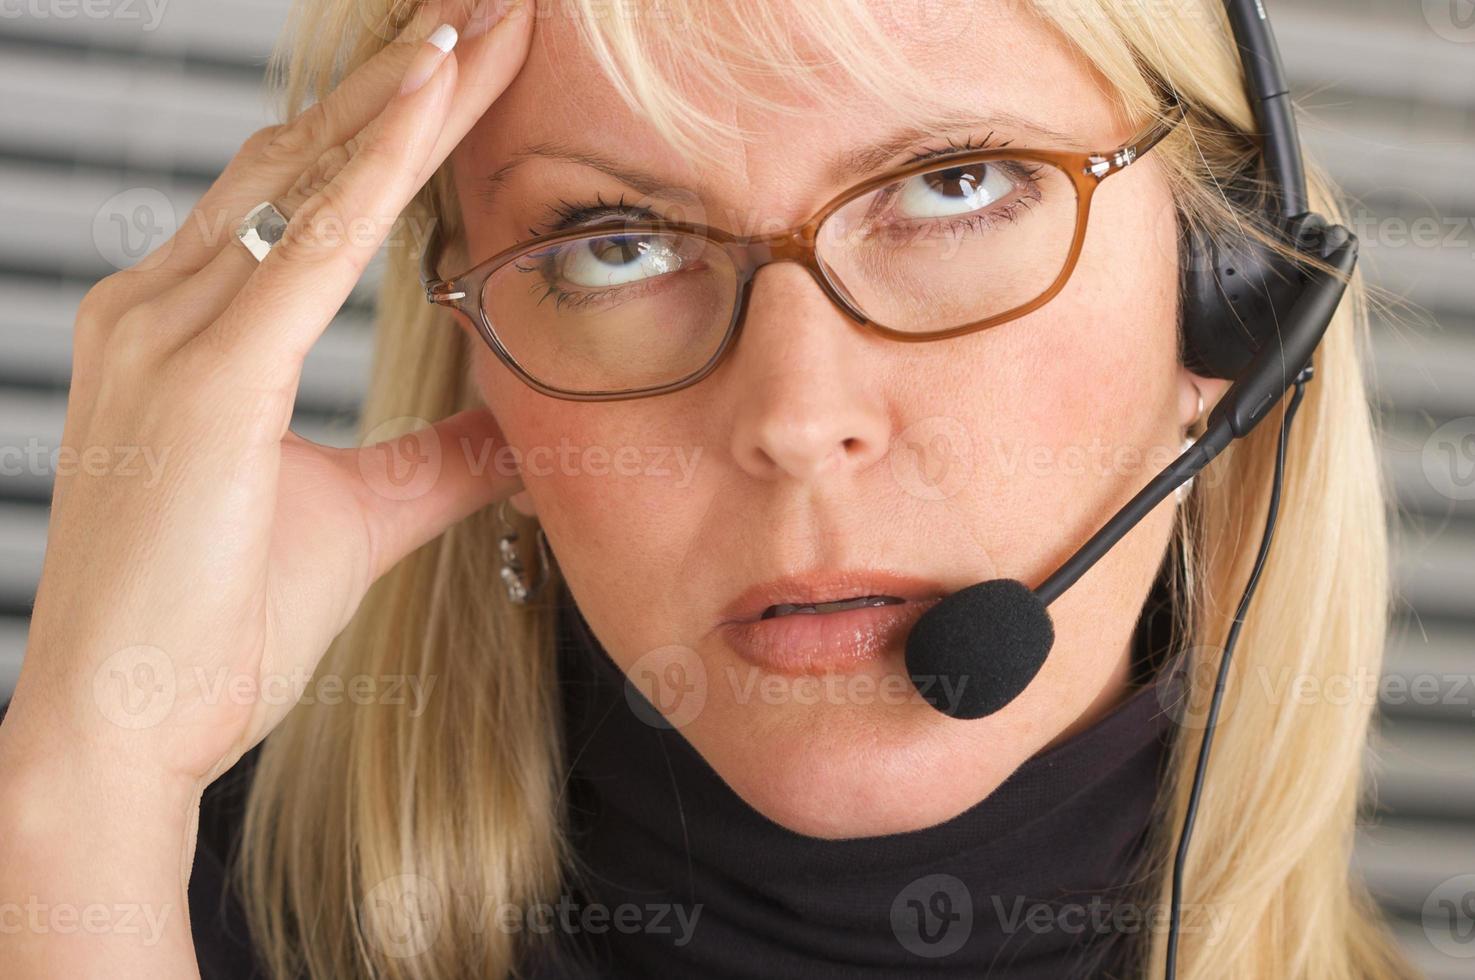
x,y
806,406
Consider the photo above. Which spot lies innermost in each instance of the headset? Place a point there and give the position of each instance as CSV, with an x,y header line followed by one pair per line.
x,y
1250,315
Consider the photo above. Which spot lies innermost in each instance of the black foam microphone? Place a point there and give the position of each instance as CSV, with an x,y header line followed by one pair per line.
x,y
979,648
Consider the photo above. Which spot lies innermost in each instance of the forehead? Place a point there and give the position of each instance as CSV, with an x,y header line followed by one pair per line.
x,y
987,59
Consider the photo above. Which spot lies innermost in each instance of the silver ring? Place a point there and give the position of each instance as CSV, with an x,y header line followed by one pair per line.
x,y
261,228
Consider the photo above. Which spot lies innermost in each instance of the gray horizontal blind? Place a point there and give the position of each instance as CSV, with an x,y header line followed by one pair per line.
x,y
111,127
1390,89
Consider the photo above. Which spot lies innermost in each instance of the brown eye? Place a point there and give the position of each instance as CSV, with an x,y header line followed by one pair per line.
x,y
617,260
951,191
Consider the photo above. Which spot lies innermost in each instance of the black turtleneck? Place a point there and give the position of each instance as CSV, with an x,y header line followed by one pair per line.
x,y
1039,880
679,878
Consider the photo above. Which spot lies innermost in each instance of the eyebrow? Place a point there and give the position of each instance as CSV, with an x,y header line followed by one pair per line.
x,y
863,160
850,165
558,149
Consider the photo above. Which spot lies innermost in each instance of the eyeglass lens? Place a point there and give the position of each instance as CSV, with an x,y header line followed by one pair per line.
x,y
936,250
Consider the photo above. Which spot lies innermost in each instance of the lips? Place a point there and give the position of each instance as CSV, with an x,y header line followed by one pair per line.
x,y
823,623
827,587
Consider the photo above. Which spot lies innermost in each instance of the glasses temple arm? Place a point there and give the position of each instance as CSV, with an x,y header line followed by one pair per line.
x,y
437,290
1107,161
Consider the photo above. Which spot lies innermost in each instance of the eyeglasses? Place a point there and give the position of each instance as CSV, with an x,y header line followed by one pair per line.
x,y
934,249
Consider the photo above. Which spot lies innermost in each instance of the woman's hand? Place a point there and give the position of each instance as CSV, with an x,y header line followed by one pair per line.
x,y
171,601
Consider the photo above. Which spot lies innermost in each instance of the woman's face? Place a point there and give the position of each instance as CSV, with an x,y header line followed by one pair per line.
x,y
817,448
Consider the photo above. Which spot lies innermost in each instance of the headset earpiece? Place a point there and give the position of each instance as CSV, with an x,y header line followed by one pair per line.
x,y
1233,291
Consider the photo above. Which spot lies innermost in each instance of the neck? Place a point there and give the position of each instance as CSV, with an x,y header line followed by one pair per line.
x,y
657,832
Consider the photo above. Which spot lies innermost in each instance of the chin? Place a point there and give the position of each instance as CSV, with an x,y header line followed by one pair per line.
x,y
843,770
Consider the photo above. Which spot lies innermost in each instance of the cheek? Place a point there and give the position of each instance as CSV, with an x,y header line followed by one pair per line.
x,y
1113,372
1101,384
618,484
1079,411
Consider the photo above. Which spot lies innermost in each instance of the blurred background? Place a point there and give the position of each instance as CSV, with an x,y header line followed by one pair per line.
x,y
118,114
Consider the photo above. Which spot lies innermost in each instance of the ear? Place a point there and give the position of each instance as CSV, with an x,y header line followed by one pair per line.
x,y
1190,387
522,502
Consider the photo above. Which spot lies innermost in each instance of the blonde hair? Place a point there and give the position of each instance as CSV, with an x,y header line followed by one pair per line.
x,y
461,804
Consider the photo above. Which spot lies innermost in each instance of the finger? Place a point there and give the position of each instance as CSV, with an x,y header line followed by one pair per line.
x,y
415,486
491,52
272,158
284,306
192,303
102,304
490,67
327,244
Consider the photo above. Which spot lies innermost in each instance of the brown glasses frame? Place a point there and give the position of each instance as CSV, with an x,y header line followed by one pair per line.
x,y
749,254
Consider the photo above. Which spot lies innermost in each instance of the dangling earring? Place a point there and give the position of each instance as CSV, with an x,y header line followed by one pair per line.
x,y
514,576
1186,487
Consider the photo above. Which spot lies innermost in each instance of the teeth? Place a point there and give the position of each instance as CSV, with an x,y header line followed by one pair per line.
x,y
837,605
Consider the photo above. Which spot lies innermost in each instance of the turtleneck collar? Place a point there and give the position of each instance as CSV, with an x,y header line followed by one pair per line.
x,y
1040,879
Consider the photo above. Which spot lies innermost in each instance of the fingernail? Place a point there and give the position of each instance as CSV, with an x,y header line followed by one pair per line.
x,y
428,58
486,14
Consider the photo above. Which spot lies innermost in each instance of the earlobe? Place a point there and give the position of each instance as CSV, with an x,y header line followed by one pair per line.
x,y
1197,396
523,504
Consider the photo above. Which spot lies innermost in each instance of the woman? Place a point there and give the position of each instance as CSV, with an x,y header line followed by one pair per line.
x,y
747,541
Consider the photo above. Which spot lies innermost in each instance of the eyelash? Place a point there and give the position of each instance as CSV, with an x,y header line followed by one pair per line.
x,y
1011,211
953,149
565,214
570,214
